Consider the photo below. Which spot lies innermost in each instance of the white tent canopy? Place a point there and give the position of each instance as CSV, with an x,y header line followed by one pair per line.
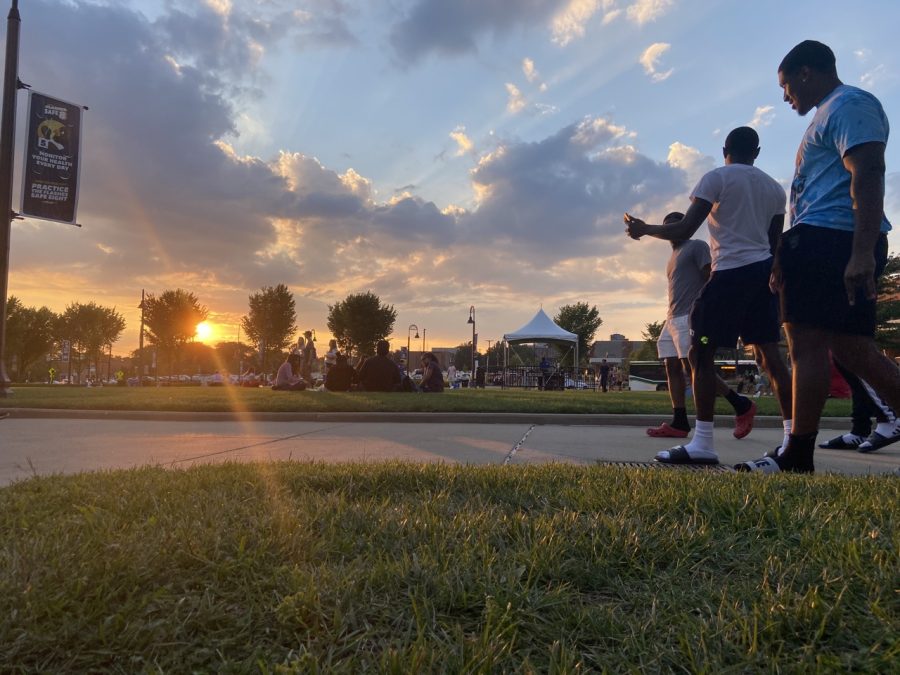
x,y
542,329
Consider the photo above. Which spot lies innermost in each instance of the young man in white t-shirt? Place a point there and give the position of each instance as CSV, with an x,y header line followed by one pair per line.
x,y
745,211
829,261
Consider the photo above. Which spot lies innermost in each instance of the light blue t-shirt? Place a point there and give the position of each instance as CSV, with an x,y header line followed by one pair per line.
x,y
820,192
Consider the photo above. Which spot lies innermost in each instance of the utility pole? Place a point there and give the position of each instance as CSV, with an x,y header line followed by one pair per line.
x,y
141,343
7,148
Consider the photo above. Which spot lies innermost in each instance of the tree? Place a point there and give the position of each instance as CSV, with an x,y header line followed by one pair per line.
x,y
887,312
171,320
235,357
91,328
271,322
30,335
583,320
462,359
651,333
359,321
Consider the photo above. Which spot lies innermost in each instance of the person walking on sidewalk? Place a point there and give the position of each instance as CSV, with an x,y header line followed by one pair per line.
x,y
687,271
829,261
745,211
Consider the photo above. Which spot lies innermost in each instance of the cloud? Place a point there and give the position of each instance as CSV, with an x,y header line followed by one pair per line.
x,y
463,142
690,160
530,72
644,11
454,28
878,75
649,59
576,182
569,23
762,116
166,201
515,102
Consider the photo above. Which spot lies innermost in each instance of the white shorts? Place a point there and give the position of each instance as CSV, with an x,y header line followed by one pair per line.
x,y
675,338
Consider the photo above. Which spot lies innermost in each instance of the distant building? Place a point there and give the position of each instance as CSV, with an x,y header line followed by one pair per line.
x,y
617,337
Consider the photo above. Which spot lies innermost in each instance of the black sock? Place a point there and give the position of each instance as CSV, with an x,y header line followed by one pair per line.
x,y
680,420
798,456
741,404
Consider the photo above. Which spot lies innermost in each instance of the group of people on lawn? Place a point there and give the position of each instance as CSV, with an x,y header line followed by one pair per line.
x,y
377,373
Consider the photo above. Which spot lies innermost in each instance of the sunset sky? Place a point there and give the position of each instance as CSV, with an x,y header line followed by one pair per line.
x,y
440,153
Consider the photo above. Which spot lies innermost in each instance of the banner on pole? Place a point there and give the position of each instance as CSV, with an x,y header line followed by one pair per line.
x,y
52,153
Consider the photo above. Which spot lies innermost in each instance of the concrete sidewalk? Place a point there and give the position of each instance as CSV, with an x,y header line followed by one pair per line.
x,y
47,445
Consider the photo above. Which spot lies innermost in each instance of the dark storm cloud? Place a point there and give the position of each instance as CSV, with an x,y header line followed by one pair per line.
x,y
564,196
441,27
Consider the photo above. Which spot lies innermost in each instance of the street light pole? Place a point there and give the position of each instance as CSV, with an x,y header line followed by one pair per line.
x,y
472,321
409,331
423,340
7,148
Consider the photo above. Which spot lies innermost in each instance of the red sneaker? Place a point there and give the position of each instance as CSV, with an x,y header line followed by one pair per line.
x,y
665,430
743,424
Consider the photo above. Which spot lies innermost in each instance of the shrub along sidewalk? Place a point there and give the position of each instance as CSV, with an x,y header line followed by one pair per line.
x,y
401,568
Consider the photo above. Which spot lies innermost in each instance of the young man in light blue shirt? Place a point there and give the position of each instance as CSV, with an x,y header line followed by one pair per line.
x,y
828,263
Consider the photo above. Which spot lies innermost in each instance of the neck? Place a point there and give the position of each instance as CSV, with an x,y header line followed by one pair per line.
x,y
828,86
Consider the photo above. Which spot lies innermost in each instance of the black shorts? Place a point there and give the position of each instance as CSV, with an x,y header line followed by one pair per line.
x,y
813,260
736,303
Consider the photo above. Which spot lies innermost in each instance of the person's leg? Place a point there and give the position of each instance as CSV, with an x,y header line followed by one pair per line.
x,y
809,348
667,350
861,356
701,447
863,408
676,381
769,358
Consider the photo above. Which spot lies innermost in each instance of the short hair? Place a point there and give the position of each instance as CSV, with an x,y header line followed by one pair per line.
x,y
675,215
812,54
742,141
382,347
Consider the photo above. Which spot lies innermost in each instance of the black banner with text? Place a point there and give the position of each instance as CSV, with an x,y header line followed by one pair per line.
x,y
52,150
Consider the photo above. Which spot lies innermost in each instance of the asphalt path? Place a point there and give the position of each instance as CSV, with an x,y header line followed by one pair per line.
x,y
30,446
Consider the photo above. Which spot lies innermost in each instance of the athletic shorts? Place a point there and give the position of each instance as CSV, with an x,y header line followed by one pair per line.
x,y
736,303
675,338
813,260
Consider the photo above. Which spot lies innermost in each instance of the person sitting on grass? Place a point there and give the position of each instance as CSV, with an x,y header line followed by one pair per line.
x,y
287,379
340,376
432,377
379,373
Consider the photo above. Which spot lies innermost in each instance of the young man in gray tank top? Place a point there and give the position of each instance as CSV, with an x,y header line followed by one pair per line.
x,y
688,271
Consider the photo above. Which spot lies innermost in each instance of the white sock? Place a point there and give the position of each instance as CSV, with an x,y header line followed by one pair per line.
x,y
886,429
702,440
788,425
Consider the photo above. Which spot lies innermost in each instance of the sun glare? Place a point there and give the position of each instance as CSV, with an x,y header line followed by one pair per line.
x,y
204,331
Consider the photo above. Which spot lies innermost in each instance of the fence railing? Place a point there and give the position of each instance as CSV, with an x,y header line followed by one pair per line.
x,y
531,377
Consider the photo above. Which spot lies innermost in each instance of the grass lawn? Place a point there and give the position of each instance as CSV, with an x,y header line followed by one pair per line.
x,y
223,399
407,569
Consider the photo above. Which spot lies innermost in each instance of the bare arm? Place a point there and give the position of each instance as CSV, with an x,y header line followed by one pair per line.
x,y
866,166
775,229
678,231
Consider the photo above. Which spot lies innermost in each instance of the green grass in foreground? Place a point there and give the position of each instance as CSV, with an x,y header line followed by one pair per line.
x,y
407,569
225,399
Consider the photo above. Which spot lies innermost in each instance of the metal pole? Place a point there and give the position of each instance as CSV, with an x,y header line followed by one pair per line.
x,y
141,343
7,148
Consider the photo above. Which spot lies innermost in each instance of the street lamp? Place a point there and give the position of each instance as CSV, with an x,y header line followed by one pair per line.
x,y
423,340
472,321
412,327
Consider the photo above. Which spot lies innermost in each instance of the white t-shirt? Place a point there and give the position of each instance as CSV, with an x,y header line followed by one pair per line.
x,y
744,199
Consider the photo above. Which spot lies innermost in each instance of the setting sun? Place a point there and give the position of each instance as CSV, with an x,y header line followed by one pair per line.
x,y
204,331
